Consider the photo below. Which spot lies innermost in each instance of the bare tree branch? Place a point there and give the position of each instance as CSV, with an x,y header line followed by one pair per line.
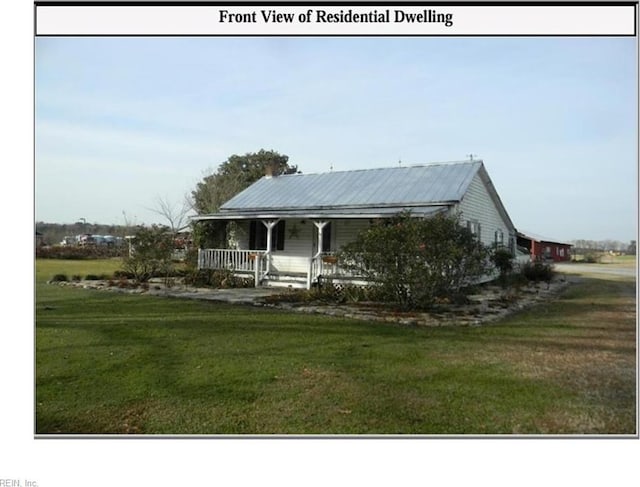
x,y
174,213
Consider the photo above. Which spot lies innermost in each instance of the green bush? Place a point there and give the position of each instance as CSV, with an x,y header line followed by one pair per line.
x,y
121,274
218,279
515,280
503,260
198,278
538,271
59,278
151,254
412,261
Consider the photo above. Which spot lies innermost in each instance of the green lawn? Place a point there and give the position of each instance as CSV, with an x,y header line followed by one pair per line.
x,y
115,363
47,268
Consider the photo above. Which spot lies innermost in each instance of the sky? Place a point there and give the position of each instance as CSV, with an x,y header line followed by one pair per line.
x,y
123,121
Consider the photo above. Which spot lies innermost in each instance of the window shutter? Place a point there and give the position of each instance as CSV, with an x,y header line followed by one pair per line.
x,y
252,235
326,238
277,236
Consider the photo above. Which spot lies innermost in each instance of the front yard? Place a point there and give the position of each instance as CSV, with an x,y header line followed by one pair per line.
x,y
110,363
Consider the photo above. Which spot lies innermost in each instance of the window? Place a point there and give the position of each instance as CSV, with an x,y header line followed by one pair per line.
x,y
499,238
258,236
474,227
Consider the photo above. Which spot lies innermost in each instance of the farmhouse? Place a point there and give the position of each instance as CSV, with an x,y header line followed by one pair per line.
x,y
543,248
286,229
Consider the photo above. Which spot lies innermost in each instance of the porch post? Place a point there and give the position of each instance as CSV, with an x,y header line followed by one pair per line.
x,y
270,224
320,226
318,268
258,264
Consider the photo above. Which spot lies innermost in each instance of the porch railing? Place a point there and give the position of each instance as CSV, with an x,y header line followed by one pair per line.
x,y
244,261
327,266
255,262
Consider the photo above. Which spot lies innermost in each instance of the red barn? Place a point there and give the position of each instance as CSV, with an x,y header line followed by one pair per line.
x,y
541,248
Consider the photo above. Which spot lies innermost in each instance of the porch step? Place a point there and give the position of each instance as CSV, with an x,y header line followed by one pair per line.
x,y
293,280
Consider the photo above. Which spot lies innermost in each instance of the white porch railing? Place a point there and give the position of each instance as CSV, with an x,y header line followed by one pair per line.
x,y
255,262
244,261
326,265
232,260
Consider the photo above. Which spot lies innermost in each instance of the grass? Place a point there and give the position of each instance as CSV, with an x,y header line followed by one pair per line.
x,y
46,268
120,364
605,258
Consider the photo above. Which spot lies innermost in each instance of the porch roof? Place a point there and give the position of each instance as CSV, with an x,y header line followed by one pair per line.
x,y
332,213
539,238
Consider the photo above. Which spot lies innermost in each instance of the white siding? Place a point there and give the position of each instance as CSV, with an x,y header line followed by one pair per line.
x,y
346,231
297,247
477,206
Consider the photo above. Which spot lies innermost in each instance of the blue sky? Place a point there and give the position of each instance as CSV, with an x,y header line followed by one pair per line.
x,y
123,121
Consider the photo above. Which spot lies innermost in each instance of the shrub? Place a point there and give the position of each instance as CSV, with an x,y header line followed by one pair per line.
x,y
198,278
328,291
76,277
124,284
218,279
151,254
414,260
121,274
538,271
503,260
516,280
59,278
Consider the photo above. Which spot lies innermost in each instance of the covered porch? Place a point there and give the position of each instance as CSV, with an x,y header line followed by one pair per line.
x,y
291,252
292,248
259,265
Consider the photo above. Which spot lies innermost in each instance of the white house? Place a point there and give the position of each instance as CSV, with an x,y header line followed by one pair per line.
x,y
286,228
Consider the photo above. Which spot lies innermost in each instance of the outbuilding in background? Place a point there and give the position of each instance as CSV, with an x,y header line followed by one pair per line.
x,y
543,248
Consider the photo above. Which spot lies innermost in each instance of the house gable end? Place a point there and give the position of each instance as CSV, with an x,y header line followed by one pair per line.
x,y
481,205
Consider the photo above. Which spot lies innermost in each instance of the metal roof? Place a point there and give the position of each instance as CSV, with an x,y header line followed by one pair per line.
x,y
539,238
398,187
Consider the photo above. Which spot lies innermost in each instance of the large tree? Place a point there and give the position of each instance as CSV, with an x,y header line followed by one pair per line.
x,y
236,174
232,176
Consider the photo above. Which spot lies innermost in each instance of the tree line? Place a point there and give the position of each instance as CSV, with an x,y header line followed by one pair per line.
x,y
54,233
582,246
